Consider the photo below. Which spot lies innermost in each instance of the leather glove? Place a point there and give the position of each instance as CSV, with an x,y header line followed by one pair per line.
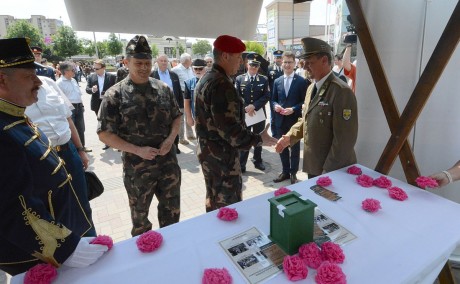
x,y
85,253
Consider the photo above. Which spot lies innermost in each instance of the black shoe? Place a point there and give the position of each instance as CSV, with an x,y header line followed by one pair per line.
x,y
178,151
243,170
260,166
106,147
87,150
281,177
294,179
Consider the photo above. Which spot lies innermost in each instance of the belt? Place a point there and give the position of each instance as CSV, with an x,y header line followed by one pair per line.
x,y
62,147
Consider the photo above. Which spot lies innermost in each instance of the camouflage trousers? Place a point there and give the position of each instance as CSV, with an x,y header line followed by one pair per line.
x,y
144,179
222,174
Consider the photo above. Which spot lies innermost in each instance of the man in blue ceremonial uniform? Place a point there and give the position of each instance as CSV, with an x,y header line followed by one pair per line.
x,y
275,70
42,70
42,219
253,88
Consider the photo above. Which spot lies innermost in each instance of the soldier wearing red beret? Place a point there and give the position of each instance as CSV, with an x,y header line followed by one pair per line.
x,y
220,126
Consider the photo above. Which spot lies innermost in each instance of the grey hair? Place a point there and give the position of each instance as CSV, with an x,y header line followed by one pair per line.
x,y
185,56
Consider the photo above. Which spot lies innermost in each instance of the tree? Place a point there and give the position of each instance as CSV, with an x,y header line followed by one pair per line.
x,y
255,46
22,28
66,43
155,50
181,50
88,47
114,45
201,47
102,48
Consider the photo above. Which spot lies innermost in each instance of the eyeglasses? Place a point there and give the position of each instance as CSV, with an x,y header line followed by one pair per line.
x,y
198,68
288,62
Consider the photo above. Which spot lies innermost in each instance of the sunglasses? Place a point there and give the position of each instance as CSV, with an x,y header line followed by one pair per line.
x,y
97,69
198,68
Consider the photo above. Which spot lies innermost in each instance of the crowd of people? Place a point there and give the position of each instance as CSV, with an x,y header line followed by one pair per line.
x,y
145,113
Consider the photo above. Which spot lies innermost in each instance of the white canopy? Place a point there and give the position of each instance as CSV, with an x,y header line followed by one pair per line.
x,y
190,18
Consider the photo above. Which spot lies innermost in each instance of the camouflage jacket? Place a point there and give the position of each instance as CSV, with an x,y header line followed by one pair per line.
x,y
140,117
219,112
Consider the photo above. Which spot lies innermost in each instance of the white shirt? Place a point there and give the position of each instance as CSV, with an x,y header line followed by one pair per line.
x,y
51,111
100,84
70,88
320,83
288,86
184,74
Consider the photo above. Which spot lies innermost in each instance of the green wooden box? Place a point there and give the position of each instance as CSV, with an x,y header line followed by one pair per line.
x,y
291,221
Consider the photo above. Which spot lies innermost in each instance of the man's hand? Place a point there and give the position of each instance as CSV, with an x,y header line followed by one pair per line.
x,y
283,142
250,109
165,146
190,120
287,111
147,153
278,108
84,159
267,140
94,89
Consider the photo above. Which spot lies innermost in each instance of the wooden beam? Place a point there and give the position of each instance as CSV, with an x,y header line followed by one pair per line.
x,y
381,84
430,76
446,276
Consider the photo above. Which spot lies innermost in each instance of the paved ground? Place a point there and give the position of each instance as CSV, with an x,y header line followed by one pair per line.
x,y
111,212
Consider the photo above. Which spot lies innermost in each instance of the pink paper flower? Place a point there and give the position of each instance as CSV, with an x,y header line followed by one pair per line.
x,y
354,170
311,255
330,273
103,240
425,182
227,214
294,268
382,182
40,274
364,180
149,241
324,181
332,252
281,190
397,193
216,276
371,205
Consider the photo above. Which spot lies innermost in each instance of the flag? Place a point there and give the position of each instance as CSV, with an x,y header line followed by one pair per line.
x,y
301,1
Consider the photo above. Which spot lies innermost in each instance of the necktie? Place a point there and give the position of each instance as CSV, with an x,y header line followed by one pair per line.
x,y
287,85
252,79
313,93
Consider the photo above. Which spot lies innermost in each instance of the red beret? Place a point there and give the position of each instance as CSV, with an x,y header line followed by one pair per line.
x,y
229,44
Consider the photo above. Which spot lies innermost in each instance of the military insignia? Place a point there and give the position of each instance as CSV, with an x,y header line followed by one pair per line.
x,y
346,114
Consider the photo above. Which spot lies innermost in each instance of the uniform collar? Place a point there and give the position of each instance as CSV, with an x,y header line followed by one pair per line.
x,y
11,109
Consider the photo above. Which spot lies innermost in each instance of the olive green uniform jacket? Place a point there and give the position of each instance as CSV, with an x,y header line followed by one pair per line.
x,y
329,126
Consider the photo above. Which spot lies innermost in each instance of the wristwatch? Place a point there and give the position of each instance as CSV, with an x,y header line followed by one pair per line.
x,y
79,149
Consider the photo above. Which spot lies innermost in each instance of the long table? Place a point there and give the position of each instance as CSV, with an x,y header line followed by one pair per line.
x,y
405,242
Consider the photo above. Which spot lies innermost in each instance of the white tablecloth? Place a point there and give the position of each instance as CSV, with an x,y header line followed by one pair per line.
x,y
404,242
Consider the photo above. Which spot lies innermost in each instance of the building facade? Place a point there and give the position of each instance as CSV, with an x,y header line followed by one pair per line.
x,y
47,27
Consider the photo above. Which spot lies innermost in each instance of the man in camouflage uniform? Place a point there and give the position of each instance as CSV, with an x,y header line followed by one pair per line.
x,y
221,128
140,116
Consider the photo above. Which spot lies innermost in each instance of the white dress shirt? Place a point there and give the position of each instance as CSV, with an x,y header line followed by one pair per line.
x,y
70,88
51,111
100,84
287,82
184,74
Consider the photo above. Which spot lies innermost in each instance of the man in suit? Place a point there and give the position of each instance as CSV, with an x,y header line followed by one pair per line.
x,y
287,98
253,88
98,83
172,80
329,123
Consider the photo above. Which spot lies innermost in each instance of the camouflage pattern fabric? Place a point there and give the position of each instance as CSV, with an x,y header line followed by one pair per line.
x,y
221,132
143,115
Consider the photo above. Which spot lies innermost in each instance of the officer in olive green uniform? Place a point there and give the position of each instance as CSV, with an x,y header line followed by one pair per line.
x,y
220,126
140,116
329,123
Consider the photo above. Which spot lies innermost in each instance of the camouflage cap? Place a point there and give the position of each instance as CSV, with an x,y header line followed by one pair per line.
x,y
138,47
16,53
313,46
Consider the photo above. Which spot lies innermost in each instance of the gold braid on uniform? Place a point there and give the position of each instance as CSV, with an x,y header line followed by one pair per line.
x,y
47,233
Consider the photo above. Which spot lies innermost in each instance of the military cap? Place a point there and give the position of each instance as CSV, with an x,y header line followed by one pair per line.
x,y
254,62
313,46
198,63
138,47
36,49
16,53
278,53
250,56
229,44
